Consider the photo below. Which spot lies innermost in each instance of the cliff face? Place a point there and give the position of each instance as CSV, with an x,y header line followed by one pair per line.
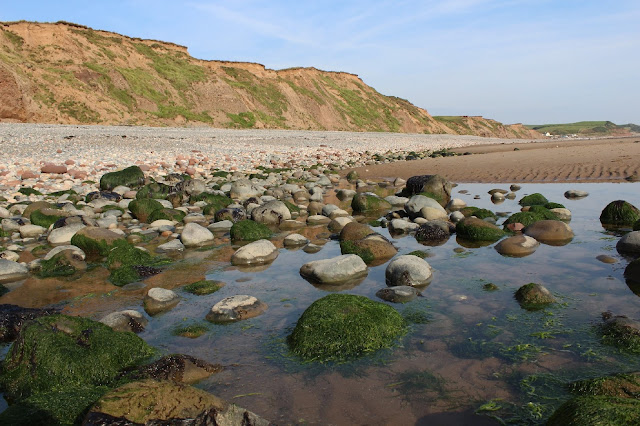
x,y
68,73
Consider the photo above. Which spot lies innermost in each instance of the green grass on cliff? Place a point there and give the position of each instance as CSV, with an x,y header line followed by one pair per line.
x,y
581,127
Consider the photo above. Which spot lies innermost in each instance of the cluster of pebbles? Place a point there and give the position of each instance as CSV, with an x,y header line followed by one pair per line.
x,y
56,157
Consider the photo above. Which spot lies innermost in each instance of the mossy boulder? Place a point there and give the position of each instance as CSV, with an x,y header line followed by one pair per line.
x,y
204,287
29,191
354,231
552,205
94,241
129,263
619,213
478,212
339,327
535,214
63,264
219,200
596,411
248,230
352,176
621,332
167,214
59,352
534,296
620,385
535,199
142,208
37,205
474,229
374,249
132,177
367,202
47,217
154,190
433,186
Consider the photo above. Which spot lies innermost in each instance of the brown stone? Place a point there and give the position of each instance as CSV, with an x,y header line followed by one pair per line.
x,y
54,169
29,175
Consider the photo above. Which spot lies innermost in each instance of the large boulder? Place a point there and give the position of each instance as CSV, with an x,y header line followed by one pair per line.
x,y
374,249
549,231
345,326
517,246
419,205
366,202
408,270
165,402
354,231
619,213
194,235
12,271
271,213
474,229
534,296
244,188
629,243
248,230
132,177
255,253
127,320
12,318
143,208
58,352
95,241
336,270
435,186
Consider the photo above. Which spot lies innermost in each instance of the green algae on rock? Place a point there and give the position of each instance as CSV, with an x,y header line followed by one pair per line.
x,y
534,296
367,202
167,214
58,266
478,212
535,199
475,229
339,327
58,352
142,208
204,287
154,190
533,215
597,410
619,213
132,177
248,230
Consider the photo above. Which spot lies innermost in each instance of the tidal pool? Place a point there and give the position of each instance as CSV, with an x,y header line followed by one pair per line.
x,y
471,356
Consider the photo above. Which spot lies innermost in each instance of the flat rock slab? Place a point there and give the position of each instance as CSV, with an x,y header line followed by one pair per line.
x,y
336,270
236,308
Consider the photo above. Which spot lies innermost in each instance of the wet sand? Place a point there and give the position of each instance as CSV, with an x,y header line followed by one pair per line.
x,y
595,160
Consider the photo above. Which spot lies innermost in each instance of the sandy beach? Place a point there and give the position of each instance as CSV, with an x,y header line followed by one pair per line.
x,y
561,160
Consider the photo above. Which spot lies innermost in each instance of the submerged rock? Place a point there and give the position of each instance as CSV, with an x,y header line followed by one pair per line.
x,y
398,294
12,317
236,308
178,368
534,296
344,326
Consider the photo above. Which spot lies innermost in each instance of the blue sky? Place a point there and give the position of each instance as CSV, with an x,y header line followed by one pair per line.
x,y
531,61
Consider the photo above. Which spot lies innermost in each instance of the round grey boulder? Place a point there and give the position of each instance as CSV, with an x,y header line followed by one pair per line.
x,y
408,270
12,271
160,300
194,235
629,243
271,213
414,206
236,308
256,253
336,270
549,231
128,320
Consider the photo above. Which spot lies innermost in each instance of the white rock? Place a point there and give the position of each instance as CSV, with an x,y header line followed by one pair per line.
x,y
77,252
194,235
456,204
31,231
172,246
4,213
12,271
294,240
63,235
223,225
236,308
400,226
318,219
9,255
255,253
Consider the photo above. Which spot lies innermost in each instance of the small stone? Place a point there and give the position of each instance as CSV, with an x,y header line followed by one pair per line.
x,y
128,320
160,300
236,308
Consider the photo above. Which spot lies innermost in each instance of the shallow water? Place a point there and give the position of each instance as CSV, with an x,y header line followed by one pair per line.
x,y
466,346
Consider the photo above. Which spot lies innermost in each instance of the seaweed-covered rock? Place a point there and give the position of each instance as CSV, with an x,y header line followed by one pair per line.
x,y
142,208
367,202
621,332
12,317
526,218
478,212
150,402
534,296
178,368
47,216
597,410
619,213
132,177
58,351
535,199
95,241
248,230
233,214
129,263
626,385
354,231
166,214
474,229
155,190
436,186
203,287
63,264
344,326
